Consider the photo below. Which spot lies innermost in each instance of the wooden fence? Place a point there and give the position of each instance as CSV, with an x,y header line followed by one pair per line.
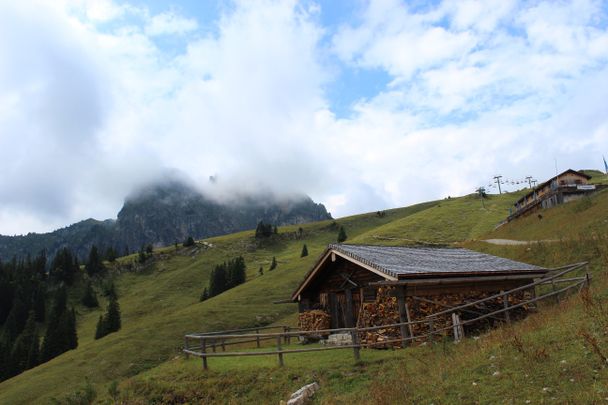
x,y
207,345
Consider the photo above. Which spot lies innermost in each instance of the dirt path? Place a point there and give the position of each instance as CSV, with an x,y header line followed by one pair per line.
x,y
517,242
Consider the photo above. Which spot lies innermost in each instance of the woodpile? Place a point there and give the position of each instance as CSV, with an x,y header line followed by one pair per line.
x,y
385,311
315,319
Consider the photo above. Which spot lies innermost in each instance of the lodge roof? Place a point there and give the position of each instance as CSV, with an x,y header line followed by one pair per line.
x,y
397,262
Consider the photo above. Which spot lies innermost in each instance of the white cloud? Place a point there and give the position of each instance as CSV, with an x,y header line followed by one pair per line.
x,y
476,88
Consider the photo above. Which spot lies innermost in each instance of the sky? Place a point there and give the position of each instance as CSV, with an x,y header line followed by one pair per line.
x,y
361,105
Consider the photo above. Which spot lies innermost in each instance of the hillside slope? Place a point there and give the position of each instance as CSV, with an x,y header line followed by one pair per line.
x,y
451,220
160,303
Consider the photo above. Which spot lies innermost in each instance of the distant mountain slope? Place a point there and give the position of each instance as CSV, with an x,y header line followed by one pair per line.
x,y
163,214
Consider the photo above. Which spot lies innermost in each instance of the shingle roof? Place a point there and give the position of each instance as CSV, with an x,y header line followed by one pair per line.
x,y
424,261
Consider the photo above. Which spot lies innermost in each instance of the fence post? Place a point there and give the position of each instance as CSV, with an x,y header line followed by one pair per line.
x,y
356,348
457,327
403,318
213,345
431,330
288,337
505,303
223,344
557,300
204,352
186,347
279,349
257,338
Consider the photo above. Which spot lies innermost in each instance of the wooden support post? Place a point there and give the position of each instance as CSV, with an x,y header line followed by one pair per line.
x,y
505,303
279,349
402,316
457,327
333,310
288,329
349,308
213,345
204,353
557,300
257,338
409,320
356,348
223,345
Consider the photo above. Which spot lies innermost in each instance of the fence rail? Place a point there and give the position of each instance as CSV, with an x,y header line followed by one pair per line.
x,y
207,344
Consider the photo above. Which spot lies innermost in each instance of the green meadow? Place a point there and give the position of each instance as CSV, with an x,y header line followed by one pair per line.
x,y
549,357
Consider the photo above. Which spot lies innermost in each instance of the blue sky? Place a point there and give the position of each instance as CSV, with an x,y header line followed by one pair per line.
x,y
362,105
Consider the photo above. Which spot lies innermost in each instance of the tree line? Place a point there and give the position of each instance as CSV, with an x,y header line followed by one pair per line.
x,y
224,277
37,321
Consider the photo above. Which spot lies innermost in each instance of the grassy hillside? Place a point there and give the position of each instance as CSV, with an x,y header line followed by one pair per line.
x,y
555,356
451,220
161,302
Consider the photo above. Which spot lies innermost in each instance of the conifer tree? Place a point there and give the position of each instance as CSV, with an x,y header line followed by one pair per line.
x,y
273,264
217,280
24,354
204,295
111,254
304,251
100,331
112,318
189,241
94,265
89,298
60,333
342,235
70,330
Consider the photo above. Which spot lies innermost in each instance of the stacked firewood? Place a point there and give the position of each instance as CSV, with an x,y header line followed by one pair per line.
x,y
314,320
384,311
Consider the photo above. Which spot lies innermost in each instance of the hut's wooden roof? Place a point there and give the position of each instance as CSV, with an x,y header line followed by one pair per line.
x,y
400,261
397,263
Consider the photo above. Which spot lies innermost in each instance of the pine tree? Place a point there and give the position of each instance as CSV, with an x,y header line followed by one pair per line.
x,y
342,235
273,264
112,318
60,333
89,298
204,295
304,251
63,267
94,265
217,280
24,354
111,254
100,331
70,330
189,241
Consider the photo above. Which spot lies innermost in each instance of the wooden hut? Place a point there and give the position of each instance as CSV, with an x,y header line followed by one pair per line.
x,y
359,285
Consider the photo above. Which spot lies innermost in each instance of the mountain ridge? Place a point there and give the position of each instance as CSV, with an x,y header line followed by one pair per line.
x,y
165,213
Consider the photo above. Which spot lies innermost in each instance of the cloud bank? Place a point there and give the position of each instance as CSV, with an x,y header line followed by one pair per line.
x,y
99,97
